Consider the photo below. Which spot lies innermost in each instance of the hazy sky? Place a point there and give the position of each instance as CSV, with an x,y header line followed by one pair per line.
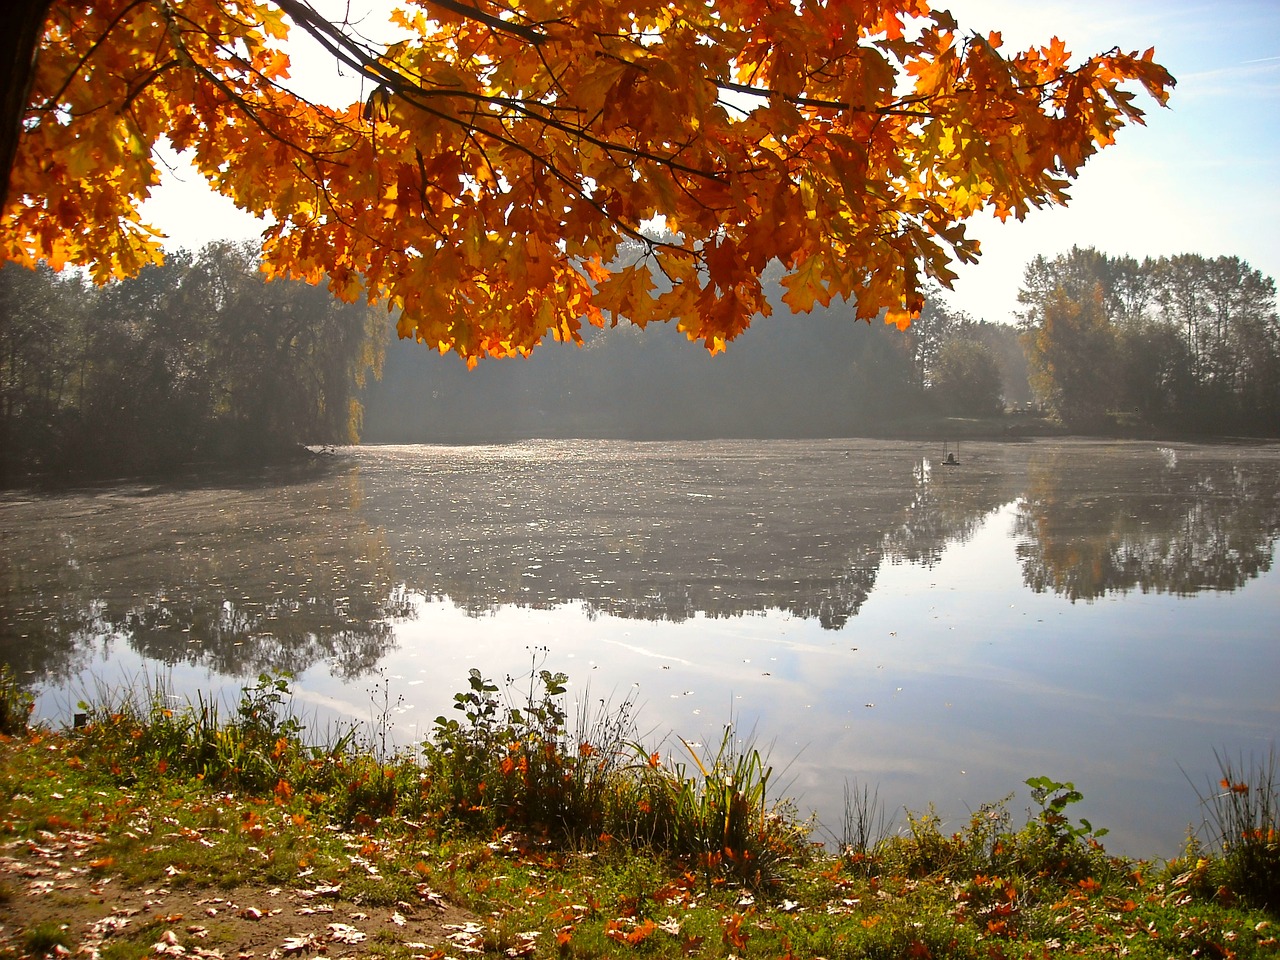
x,y
1202,177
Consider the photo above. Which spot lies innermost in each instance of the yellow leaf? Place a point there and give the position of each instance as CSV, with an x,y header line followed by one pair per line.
x,y
806,286
900,317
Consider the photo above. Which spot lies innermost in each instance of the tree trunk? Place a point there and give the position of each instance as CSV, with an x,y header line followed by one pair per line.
x,y
21,26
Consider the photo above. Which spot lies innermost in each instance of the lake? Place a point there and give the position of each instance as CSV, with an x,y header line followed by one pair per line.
x,y
1100,612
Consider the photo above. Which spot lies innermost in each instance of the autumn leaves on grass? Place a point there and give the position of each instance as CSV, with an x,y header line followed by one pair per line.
x,y
566,836
504,766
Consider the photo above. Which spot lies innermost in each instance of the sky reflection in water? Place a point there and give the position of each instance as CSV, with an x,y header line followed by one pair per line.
x,y
871,615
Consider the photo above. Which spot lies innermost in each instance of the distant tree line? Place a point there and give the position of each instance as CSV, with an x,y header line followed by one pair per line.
x,y
966,367
822,374
203,360
199,359
1185,343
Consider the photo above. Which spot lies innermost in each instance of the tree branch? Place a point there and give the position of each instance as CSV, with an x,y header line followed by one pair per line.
x,y
21,27
528,34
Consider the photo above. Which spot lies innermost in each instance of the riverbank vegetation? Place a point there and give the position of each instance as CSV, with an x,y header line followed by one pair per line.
x,y
156,828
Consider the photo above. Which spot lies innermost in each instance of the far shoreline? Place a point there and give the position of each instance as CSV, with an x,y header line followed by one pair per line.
x,y
301,458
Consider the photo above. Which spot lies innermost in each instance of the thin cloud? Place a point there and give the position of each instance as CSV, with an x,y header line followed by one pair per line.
x,y
1250,78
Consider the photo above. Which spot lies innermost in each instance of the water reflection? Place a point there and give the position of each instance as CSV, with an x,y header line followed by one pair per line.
x,y
237,579
881,615
670,531
950,503
321,567
1155,519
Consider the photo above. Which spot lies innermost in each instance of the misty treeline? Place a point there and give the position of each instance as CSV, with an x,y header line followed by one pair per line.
x,y
203,360
1184,343
822,374
200,359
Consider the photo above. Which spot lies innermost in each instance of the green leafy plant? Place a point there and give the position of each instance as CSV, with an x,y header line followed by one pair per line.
x,y
145,731
1054,797
16,704
1060,846
515,762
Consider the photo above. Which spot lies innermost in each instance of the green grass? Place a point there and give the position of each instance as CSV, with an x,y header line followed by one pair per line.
x,y
43,939
534,821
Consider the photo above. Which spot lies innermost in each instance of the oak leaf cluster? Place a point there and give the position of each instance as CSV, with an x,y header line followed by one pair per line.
x,y
519,167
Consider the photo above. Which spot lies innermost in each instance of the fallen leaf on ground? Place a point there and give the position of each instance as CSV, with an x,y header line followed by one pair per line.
x,y
345,933
299,944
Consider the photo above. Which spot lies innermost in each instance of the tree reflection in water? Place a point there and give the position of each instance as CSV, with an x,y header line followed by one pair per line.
x,y
286,572
1157,519
263,576
673,531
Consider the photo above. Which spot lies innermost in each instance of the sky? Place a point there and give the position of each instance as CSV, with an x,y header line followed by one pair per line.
x,y
1203,175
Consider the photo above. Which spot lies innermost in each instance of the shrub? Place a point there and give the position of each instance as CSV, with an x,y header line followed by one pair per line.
x,y
516,765
724,816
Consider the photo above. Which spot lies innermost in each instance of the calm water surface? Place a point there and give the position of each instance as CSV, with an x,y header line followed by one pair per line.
x,y
1097,612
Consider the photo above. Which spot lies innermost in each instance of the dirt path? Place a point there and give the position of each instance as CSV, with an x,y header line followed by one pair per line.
x,y
56,886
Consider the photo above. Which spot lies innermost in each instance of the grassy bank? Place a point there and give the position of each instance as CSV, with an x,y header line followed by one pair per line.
x,y
225,831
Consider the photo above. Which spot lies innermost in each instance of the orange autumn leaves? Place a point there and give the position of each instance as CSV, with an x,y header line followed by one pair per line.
x,y
636,161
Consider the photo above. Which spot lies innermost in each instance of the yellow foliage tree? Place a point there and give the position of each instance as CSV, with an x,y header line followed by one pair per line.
x,y
508,150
